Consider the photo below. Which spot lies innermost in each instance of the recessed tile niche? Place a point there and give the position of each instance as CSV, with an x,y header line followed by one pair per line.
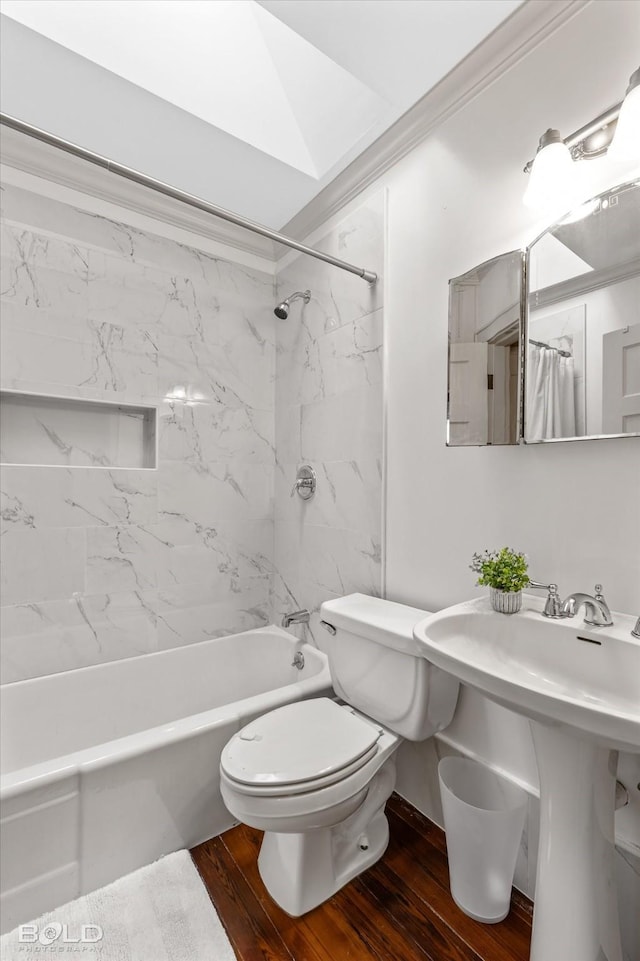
x,y
70,432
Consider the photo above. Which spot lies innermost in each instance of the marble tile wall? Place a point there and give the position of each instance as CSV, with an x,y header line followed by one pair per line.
x,y
329,414
104,563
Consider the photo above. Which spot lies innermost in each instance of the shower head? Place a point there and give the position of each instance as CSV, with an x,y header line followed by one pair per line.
x,y
282,310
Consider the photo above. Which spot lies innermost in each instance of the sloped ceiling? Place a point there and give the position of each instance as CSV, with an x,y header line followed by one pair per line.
x,y
252,106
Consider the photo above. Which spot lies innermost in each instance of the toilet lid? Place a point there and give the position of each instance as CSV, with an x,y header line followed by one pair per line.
x,y
299,742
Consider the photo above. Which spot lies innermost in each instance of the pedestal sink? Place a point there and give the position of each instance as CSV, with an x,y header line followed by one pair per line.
x,y
580,688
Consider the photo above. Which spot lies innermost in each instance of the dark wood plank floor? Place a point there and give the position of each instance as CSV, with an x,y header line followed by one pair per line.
x,y
398,910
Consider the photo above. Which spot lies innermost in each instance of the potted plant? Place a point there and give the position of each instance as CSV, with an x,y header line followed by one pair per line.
x,y
504,572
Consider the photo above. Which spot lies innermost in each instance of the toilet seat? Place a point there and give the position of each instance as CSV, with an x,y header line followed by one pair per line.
x,y
302,787
315,803
299,748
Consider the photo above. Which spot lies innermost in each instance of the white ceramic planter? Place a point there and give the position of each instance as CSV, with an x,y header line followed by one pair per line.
x,y
505,602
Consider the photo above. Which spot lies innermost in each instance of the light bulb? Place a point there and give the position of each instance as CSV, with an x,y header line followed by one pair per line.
x,y
552,181
626,139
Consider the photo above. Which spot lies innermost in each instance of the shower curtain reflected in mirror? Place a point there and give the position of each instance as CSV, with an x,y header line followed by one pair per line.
x,y
551,409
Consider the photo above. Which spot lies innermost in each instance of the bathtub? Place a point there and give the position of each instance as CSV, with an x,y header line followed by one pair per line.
x,y
106,768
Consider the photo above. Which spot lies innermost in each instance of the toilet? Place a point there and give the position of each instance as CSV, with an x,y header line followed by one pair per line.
x,y
315,775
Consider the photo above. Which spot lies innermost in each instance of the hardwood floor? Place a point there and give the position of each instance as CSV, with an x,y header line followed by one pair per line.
x,y
398,910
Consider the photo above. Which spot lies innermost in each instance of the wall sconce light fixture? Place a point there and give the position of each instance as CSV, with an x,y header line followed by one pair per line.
x,y
626,142
616,132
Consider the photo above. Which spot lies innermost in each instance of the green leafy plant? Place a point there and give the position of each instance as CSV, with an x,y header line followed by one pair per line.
x,y
504,570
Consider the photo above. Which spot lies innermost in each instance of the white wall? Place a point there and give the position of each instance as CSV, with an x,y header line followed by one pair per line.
x,y
574,508
454,202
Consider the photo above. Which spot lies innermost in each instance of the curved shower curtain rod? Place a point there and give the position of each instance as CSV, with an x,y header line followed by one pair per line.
x,y
139,178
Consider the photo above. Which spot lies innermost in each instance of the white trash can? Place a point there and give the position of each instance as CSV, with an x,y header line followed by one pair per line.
x,y
483,820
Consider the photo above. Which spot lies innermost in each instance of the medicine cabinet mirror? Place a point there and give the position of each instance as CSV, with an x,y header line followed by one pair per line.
x,y
573,299
582,370
485,311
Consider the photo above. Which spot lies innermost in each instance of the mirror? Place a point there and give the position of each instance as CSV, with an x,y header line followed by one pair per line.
x,y
485,311
582,368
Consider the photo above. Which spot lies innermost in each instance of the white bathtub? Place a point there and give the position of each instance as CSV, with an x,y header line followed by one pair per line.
x,y
106,768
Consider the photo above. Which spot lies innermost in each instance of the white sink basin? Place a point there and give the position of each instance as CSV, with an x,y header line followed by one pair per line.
x,y
563,671
580,688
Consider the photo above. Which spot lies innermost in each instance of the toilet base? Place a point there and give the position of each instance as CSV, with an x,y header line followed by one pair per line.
x,y
300,871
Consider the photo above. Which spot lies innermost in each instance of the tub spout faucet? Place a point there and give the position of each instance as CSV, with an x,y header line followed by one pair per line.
x,y
297,617
596,609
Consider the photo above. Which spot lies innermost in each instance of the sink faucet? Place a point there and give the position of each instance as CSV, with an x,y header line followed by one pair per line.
x,y
596,608
297,617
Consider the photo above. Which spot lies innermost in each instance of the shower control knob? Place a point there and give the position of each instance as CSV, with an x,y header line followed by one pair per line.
x,y
305,482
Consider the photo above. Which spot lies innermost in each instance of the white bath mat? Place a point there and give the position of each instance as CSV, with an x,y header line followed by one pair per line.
x,y
160,913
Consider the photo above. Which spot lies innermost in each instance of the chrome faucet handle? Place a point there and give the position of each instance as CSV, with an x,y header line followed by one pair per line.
x,y
553,605
636,631
305,482
601,615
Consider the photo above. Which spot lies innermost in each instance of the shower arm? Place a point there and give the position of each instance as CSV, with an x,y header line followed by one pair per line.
x,y
128,173
305,294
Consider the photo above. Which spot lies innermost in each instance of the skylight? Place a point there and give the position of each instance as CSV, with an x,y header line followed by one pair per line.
x,y
228,62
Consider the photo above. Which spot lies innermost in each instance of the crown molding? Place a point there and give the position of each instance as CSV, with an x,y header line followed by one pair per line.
x,y
526,28
24,158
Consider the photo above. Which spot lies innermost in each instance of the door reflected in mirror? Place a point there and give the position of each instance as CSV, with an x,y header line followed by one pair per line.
x,y
485,310
582,369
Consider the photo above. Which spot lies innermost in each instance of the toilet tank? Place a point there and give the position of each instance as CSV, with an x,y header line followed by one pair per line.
x,y
377,668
